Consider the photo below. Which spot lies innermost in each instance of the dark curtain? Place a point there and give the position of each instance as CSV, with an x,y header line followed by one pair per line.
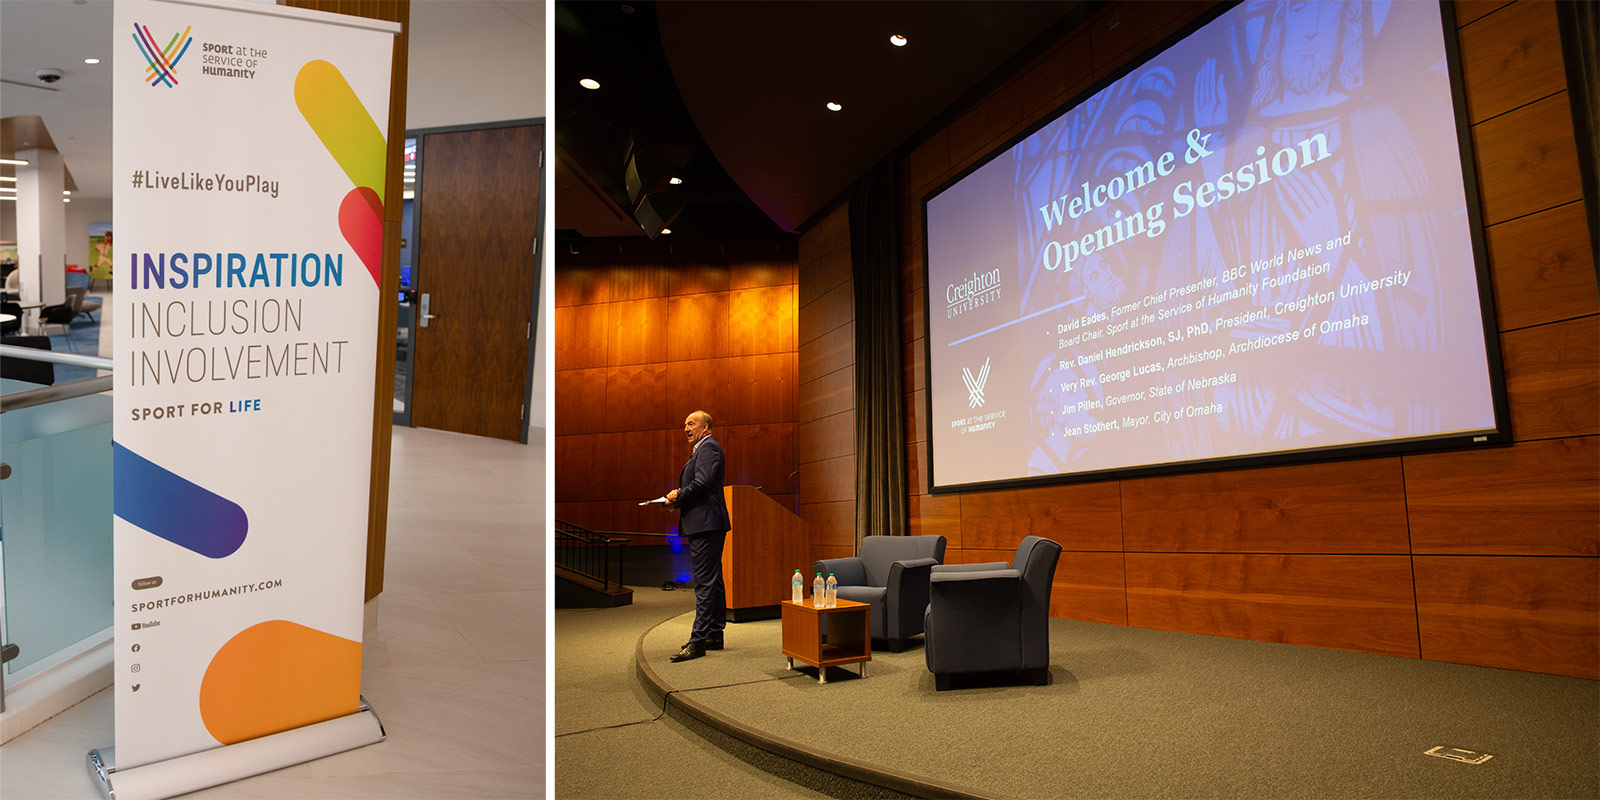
x,y
1580,46
880,427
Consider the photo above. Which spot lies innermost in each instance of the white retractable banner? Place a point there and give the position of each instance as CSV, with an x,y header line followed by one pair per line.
x,y
249,146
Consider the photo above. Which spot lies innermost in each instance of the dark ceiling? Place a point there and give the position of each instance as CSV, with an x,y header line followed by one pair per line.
x,y
730,97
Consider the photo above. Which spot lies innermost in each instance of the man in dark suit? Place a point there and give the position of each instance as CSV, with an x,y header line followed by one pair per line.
x,y
703,517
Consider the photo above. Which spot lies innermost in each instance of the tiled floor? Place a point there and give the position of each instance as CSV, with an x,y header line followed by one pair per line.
x,y
455,669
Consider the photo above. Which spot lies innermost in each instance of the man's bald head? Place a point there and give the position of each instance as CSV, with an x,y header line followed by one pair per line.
x,y
696,426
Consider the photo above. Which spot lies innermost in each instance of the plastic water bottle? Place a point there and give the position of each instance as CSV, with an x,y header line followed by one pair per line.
x,y
796,594
832,591
818,599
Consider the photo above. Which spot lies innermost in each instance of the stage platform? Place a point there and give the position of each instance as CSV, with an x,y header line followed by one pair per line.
x,y
1135,713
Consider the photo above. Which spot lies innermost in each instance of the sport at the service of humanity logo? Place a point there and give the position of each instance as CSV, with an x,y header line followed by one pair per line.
x,y
975,384
161,63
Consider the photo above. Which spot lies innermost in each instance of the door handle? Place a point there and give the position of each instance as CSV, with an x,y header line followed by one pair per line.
x,y
425,316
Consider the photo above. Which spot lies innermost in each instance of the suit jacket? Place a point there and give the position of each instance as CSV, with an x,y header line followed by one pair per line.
x,y
701,506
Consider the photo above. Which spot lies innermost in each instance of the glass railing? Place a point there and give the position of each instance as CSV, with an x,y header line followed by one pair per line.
x,y
55,514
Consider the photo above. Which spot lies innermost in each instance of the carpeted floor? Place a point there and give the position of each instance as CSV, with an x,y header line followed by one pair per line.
x,y
614,741
1133,713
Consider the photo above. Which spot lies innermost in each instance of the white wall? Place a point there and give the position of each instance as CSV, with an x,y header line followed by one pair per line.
x,y
472,61
41,223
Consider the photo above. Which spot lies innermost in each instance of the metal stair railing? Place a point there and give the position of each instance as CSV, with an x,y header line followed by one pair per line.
x,y
588,553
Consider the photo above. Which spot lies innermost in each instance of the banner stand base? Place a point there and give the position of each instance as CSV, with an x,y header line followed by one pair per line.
x,y
196,771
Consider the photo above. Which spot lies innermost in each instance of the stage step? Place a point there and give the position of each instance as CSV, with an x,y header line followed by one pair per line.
x,y
577,590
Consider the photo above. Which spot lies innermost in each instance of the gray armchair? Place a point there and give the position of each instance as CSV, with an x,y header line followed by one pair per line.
x,y
891,575
992,617
81,302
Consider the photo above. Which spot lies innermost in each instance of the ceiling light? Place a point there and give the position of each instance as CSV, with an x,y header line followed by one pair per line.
x,y
8,197
835,107
675,181
666,230
410,179
589,83
897,40
14,161
11,189
66,191
66,199
7,179
91,61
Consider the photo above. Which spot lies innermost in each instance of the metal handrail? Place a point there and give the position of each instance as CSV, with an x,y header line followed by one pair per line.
x,y
51,394
589,553
70,359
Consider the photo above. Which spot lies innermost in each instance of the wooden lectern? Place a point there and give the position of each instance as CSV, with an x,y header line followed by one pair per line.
x,y
762,551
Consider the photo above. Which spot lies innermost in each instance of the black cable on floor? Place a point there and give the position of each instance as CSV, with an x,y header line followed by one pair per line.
x,y
669,694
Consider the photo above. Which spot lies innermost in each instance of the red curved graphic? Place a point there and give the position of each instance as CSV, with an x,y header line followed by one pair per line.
x,y
361,222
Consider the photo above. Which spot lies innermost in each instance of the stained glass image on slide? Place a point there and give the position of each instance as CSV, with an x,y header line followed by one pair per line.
x,y
1255,242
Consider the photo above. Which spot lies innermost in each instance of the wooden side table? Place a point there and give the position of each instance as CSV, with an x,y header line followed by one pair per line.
x,y
848,629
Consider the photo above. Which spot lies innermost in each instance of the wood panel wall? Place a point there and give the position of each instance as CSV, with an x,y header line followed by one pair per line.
x,y
827,435
1484,557
646,332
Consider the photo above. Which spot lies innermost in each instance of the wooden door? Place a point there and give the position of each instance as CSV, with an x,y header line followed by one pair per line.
x,y
478,213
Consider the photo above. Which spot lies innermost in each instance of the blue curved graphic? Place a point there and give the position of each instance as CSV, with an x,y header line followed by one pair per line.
x,y
175,508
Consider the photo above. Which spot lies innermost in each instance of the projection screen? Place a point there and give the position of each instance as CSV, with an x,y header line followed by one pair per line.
x,y
1257,245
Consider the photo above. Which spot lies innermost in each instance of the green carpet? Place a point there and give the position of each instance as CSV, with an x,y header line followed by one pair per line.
x,y
1133,713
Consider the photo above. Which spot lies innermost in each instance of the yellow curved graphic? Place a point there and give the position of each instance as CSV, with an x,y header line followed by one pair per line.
x,y
279,675
332,109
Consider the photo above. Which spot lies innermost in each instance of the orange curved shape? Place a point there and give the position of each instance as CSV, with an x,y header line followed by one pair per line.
x,y
278,675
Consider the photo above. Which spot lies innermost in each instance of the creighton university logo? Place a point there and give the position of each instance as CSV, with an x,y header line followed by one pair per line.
x,y
975,384
161,63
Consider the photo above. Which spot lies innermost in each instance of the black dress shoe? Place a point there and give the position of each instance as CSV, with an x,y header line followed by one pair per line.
x,y
714,642
690,650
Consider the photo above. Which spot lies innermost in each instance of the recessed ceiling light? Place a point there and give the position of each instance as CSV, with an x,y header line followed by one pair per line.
x,y
835,107
91,61
897,40
7,179
14,161
66,199
589,83
66,191
675,181
11,189
410,179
